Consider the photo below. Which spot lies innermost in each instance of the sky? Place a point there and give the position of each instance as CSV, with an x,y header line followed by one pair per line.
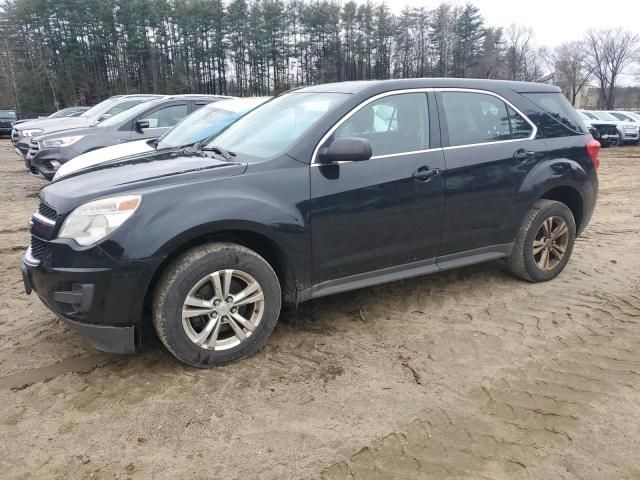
x,y
553,21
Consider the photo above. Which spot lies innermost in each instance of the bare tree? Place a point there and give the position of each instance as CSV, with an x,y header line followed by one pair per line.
x,y
611,52
572,71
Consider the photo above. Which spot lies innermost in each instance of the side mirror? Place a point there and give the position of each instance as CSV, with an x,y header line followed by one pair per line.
x,y
346,149
103,117
142,124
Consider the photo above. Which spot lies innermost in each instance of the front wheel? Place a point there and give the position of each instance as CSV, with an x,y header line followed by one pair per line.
x,y
544,242
216,304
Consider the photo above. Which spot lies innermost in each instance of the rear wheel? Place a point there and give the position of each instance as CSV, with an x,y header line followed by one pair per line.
x,y
544,242
216,304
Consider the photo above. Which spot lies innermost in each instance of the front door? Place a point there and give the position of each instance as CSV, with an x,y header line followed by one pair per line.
x,y
384,212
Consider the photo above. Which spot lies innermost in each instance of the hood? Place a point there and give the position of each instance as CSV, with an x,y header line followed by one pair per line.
x,y
67,132
137,173
101,155
54,124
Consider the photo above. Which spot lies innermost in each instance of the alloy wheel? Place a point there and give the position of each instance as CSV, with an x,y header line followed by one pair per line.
x,y
223,309
550,243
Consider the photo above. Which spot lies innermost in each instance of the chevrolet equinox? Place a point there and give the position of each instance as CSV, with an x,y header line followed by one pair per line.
x,y
321,190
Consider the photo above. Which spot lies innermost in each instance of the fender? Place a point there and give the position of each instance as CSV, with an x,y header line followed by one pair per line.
x,y
167,223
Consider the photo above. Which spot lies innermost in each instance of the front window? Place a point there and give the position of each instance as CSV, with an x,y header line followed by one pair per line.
x,y
273,127
167,116
392,124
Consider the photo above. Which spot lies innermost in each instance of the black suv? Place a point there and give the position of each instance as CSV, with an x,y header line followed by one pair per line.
x,y
7,119
146,120
321,190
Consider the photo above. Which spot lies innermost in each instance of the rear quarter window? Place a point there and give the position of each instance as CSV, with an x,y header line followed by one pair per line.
x,y
561,119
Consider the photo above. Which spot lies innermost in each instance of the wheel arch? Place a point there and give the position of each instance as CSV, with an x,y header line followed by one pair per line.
x,y
570,197
259,242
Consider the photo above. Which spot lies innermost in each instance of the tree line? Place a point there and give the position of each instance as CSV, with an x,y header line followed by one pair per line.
x,y
65,52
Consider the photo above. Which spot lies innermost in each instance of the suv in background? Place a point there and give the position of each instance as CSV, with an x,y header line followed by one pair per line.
x,y
628,131
147,120
23,132
197,127
605,133
7,119
321,190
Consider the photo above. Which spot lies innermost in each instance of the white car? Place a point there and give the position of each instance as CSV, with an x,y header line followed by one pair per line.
x,y
201,124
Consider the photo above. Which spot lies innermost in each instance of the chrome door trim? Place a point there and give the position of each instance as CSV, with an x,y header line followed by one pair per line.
x,y
354,110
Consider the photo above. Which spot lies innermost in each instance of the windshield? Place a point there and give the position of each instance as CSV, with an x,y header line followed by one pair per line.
x,y
273,127
606,116
8,114
622,116
200,125
97,109
126,114
590,115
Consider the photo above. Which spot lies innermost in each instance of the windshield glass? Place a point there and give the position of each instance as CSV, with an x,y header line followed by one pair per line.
x,y
273,127
96,109
590,115
200,125
8,114
125,115
606,116
622,116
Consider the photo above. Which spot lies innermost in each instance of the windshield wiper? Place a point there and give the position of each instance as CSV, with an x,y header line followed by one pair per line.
x,y
220,151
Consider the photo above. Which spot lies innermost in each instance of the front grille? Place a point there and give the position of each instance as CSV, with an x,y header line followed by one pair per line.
x,y
37,247
4,124
47,211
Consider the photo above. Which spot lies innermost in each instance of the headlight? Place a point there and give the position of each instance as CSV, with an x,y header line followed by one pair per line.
x,y
62,142
91,222
31,133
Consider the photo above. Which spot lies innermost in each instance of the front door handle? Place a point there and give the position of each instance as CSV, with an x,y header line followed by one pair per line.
x,y
522,154
424,174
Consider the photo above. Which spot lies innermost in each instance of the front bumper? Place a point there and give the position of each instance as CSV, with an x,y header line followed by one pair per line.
x,y
46,161
97,296
5,131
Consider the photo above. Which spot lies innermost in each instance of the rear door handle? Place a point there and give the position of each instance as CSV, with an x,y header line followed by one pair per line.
x,y
522,154
424,174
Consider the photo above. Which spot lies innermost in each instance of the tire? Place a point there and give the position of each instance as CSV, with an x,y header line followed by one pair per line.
x,y
223,344
526,264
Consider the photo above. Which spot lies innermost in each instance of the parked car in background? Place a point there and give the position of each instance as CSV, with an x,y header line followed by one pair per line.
x,y
148,120
321,190
629,132
197,127
626,116
65,112
23,133
605,133
7,120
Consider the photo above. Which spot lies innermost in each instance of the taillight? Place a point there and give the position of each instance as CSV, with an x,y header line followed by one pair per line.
x,y
593,150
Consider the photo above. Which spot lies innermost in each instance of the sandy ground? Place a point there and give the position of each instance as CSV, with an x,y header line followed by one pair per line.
x,y
465,374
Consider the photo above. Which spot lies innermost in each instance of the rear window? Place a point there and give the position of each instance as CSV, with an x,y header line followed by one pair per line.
x,y
559,108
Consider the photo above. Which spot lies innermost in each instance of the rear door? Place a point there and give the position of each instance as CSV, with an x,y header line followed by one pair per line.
x,y
160,120
489,147
387,211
